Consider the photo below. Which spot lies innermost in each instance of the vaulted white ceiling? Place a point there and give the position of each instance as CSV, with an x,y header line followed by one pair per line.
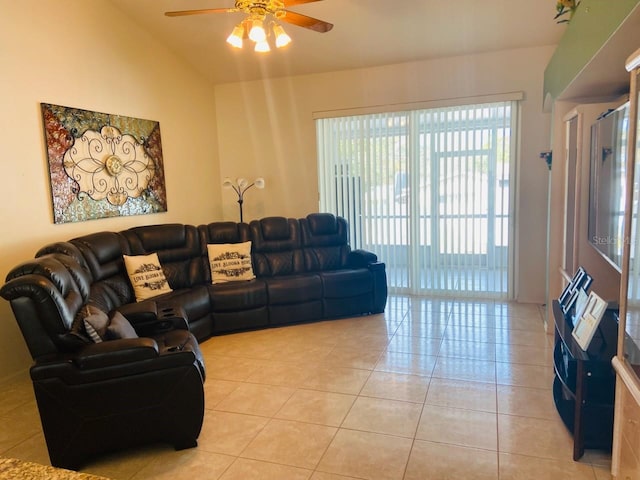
x,y
366,33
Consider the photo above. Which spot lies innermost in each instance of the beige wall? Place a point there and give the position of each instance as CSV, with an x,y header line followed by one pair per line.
x,y
266,129
85,54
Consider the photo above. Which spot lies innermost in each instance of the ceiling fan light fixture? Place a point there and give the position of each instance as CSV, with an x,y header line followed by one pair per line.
x,y
261,21
257,33
235,39
262,46
282,39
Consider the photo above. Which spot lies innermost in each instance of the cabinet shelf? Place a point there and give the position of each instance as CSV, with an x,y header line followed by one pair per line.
x,y
560,370
584,383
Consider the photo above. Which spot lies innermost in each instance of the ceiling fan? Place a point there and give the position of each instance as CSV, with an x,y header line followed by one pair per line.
x,y
258,12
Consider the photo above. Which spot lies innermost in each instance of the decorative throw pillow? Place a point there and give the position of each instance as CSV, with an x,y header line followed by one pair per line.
x,y
77,335
95,323
119,327
230,262
146,276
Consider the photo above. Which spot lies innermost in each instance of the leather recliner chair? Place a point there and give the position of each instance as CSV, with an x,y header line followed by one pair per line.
x,y
352,280
235,305
294,294
178,248
98,397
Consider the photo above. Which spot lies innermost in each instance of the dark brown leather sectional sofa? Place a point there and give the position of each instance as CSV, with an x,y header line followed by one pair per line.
x,y
95,397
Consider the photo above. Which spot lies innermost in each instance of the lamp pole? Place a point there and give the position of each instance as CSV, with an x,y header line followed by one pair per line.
x,y
240,202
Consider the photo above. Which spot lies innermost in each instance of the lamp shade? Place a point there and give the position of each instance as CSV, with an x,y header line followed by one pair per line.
x,y
282,39
259,182
227,183
262,46
257,33
235,39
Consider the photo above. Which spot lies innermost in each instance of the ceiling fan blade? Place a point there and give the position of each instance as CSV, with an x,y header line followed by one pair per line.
x,y
306,22
181,13
291,3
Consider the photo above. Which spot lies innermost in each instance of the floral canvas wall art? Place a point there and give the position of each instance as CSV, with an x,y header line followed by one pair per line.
x,y
102,165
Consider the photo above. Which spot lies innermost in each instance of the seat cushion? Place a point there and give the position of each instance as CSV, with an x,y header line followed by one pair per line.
x,y
293,289
240,319
236,296
346,283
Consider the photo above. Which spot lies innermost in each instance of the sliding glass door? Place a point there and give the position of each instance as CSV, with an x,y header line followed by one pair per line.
x,y
427,190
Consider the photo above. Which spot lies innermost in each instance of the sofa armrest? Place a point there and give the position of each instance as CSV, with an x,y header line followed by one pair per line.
x,y
379,273
116,352
149,319
139,312
110,360
95,359
377,266
361,258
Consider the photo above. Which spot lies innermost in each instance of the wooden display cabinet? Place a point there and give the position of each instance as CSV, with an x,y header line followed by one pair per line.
x,y
625,458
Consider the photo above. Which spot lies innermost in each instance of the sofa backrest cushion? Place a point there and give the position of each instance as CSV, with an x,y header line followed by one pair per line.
x,y
223,232
46,293
325,241
66,248
103,254
276,229
323,226
276,247
178,249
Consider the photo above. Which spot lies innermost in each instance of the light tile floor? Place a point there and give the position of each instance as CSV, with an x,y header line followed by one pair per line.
x,y
431,389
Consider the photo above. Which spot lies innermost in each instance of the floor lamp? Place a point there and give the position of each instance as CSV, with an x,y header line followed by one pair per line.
x,y
240,186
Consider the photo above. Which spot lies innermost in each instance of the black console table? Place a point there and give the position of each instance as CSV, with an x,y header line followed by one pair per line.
x,y
584,383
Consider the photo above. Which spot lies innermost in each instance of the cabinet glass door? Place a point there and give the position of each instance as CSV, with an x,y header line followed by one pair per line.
x,y
631,318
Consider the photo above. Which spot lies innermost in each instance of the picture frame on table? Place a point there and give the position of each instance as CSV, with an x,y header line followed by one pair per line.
x,y
564,296
581,303
573,297
587,324
581,281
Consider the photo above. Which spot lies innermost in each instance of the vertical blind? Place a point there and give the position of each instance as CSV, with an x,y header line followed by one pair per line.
x,y
428,191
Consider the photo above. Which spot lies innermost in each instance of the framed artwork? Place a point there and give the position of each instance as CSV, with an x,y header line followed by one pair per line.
x,y
102,165
587,324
